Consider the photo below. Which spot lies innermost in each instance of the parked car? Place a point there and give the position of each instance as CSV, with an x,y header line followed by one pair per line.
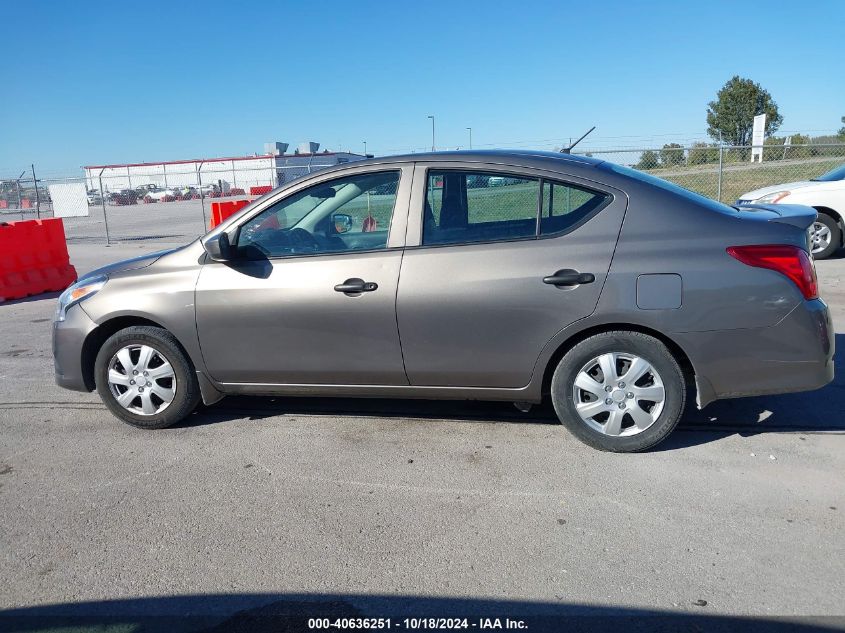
x,y
143,190
161,193
123,197
826,194
94,197
574,283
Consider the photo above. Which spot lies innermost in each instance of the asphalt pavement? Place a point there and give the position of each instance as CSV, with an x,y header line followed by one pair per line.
x,y
407,506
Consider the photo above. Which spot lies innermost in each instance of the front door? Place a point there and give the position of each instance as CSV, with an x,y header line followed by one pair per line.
x,y
493,272
310,298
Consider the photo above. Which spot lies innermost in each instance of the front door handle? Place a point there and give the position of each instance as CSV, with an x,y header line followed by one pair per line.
x,y
356,285
569,277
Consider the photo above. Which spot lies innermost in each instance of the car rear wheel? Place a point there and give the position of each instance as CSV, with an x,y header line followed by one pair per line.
x,y
825,237
619,391
145,378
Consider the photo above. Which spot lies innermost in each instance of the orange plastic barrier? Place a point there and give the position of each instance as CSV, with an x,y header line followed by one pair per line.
x,y
33,258
222,210
260,191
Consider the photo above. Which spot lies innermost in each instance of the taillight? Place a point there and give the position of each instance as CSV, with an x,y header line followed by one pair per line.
x,y
790,261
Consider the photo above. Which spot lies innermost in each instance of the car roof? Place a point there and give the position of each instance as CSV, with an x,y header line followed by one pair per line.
x,y
535,158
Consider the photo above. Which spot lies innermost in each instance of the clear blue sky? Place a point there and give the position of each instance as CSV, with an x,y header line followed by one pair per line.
x,y
93,82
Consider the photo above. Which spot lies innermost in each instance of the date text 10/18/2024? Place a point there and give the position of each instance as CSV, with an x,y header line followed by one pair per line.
x,y
435,624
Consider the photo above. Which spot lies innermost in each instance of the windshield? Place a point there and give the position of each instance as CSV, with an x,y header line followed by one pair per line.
x,y
834,174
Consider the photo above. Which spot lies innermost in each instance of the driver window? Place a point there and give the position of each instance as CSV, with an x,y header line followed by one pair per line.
x,y
338,216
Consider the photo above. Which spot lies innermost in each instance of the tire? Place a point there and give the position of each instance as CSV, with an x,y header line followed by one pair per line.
x,y
170,374
825,224
620,352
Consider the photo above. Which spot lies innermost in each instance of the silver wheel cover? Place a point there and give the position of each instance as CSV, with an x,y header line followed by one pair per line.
x,y
618,394
141,379
819,237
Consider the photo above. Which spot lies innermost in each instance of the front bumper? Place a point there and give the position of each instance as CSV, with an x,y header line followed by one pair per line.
x,y
68,348
794,355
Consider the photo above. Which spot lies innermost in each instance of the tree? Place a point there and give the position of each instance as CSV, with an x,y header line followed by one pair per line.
x,y
672,154
842,129
702,153
648,160
733,111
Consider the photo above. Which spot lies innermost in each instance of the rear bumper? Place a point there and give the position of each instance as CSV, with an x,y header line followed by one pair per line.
x,y
794,355
68,340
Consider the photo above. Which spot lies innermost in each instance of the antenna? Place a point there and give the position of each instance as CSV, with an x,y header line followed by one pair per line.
x,y
568,150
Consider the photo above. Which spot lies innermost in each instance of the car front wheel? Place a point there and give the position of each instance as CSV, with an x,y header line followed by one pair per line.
x,y
825,237
145,378
619,391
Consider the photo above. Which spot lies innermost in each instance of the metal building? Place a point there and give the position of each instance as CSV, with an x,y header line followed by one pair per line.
x,y
272,168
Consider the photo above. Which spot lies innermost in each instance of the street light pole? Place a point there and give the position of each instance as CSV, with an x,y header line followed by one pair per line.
x,y
470,137
433,148
365,149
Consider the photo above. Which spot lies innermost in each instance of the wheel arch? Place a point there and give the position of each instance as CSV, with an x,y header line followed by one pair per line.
x,y
99,335
832,213
675,349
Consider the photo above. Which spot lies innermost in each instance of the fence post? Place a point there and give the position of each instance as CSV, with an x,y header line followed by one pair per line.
x,y
37,198
103,201
20,208
202,196
719,184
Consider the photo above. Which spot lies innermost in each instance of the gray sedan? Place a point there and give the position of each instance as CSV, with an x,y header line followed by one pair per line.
x,y
514,276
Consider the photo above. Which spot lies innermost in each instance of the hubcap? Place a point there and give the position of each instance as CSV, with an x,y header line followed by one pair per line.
x,y
141,379
618,394
819,237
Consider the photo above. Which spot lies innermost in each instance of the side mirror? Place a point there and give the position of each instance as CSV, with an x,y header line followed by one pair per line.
x,y
219,248
342,222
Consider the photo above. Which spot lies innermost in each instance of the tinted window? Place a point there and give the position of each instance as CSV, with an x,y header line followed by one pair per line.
x,y
338,216
474,206
564,206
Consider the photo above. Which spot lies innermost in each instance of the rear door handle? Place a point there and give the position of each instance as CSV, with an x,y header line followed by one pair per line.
x,y
356,285
569,277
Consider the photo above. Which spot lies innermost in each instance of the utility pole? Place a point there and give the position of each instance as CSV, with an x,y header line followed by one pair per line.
x,y
470,137
433,147
365,149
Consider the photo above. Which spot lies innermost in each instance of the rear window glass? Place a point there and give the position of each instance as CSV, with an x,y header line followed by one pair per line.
x,y
668,186
464,207
564,206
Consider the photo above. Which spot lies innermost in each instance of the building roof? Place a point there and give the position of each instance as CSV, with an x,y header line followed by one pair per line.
x,y
216,160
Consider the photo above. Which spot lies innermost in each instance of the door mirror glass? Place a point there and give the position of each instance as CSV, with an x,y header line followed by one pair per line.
x,y
219,248
342,222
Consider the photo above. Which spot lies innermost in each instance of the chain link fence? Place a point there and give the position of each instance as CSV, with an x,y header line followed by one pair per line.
x,y
176,206
726,172
118,206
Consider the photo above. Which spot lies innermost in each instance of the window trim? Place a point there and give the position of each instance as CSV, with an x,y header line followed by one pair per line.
x,y
326,182
495,170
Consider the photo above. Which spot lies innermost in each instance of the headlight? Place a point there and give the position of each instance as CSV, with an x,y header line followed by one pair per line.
x,y
772,198
77,292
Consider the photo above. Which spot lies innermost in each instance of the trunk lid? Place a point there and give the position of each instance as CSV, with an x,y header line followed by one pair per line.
x,y
797,215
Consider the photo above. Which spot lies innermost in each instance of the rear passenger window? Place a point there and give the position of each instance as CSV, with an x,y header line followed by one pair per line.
x,y
474,206
564,206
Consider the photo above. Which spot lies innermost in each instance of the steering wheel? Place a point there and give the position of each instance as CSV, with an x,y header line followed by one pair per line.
x,y
301,238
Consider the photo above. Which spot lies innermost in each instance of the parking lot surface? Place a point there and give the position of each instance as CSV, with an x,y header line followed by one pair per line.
x,y
739,512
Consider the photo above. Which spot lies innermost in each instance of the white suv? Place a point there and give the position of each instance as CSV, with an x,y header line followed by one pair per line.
x,y
826,194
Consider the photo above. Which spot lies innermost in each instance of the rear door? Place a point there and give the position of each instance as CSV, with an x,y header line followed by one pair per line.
x,y
473,307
